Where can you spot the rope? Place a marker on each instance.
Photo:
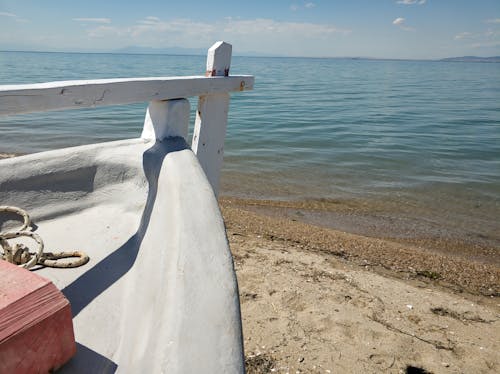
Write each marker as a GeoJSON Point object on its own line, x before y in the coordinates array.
{"type": "Point", "coordinates": [21, 256]}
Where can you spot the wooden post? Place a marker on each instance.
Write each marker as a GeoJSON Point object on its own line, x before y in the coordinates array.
{"type": "Point", "coordinates": [165, 119]}
{"type": "Point", "coordinates": [211, 117]}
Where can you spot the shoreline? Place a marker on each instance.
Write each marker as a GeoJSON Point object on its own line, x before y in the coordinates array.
{"type": "Point", "coordinates": [459, 264]}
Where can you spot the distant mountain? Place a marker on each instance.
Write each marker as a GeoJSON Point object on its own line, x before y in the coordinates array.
{"type": "Point", "coordinates": [203, 52]}
{"type": "Point", "coordinates": [161, 51]}
{"type": "Point", "coordinates": [472, 59]}
{"type": "Point", "coordinates": [181, 51]}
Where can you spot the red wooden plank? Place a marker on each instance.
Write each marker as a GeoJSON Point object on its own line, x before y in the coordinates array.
{"type": "Point", "coordinates": [36, 328]}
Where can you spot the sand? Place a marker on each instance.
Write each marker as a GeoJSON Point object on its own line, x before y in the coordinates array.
{"type": "Point", "coordinates": [318, 300]}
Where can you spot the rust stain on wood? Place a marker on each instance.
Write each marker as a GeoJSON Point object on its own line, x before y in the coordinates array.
{"type": "Point", "coordinates": [213, 73]}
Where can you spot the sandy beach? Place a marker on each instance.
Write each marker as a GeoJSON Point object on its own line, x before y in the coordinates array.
{"type": "Point", "coordinates": [320, 300]}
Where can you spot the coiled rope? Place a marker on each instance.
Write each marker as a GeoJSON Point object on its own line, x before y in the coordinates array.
{"type": "Point", "coordinates": [21, 256]}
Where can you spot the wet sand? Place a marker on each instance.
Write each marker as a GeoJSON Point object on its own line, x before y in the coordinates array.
{"type": "Point", "coordinates": [409, 247]}
{"type": "Point", "coordinates": [319, 300]}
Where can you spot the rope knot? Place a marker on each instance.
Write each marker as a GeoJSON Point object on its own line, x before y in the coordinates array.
{"type": "Point", "coordinates": [20, 254]}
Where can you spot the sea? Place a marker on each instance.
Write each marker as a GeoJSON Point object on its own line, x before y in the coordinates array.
{"type": "Point", "coordinates": [412, 141]}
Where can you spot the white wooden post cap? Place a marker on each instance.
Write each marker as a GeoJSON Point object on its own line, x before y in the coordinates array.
{"type": "Point", "coordinates": [219, 60]}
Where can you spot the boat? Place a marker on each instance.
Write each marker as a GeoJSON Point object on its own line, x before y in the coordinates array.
{"type": "Point", "coordinates": [159, 293]}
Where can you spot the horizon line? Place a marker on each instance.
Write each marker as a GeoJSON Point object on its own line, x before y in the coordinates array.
{"type": "Point", "coordinates": [249, 54]}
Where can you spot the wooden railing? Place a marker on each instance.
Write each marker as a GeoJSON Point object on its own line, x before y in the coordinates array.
{"type": "Point", "coordinates": [168, 110]}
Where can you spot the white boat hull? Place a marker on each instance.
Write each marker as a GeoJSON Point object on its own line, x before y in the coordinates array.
{"type": "Point", "coordinates": [159, 293]}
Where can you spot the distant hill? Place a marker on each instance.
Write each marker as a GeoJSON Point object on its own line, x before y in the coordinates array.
{"type": "Point", "coordinates": [202, 52]}
{"type": "Point", "coordinates": [161, 51]}
{"type": "Point", "coordinates": [472, 59]}
{"type": "Point", "coordinates": [181, 51]}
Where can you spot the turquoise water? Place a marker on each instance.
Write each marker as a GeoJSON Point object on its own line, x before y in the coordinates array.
{"type": "Point", "coordinates": [423, 134]}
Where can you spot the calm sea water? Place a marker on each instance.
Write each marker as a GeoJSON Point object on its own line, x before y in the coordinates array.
{"type": "Point", "coordinates": [425, 135]}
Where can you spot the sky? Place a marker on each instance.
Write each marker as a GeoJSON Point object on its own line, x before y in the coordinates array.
{"type": "Point", "coordinates": [414, 29]}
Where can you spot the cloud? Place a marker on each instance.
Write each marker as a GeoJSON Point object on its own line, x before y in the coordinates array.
{"type": "Point", "coordinates": [5, 14]}
{"type": "Point", "coordinates": [306, 5]}
{"type": "Point", "coordinates": [149, 21]}
{"type": "Point", "coordinates": [398, 21]}
{"type": "Point", "coordinates": [486, 39]}
{"type": "Point", "coordinates": [486, 44]}
{"type": "Point", "coordinates": [488, 34]}
{"type": "Point", "coordinates": [14, 17]}
{"type": "Point", "coordinates": [93, 20]}
{"type": "Point", "coordinates": [463, 35]}
{"type": "Point", "coordinates": [411, 2]}
{"type": "Point", "coordinates": [249, 27]}
{"type": "Point", "coordinates": [104, 31]}
{"type": "Point", "coordinates": [177, 28]}
{"type": "Point", "coordinates": [228, 25]}
{"type": "Point", "coordinates": [491, 33]}
{"type": "Point", "coordinates": [266, 35]}
{"type": "Point", "coordinates": [493, 20]}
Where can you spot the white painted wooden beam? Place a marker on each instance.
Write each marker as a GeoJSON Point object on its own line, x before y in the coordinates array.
{"type": "Point", "coordinates": [211, 117]}
{"type": "Point", "coordinates": [165, 119]}
{"type": "Point", "coordinates": [209, 135]}
{"type": "Point", "coordinates": [41, 97]}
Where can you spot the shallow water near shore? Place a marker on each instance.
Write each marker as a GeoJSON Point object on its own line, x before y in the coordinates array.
{"type": "Point", "coordinates": [413, 144]}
